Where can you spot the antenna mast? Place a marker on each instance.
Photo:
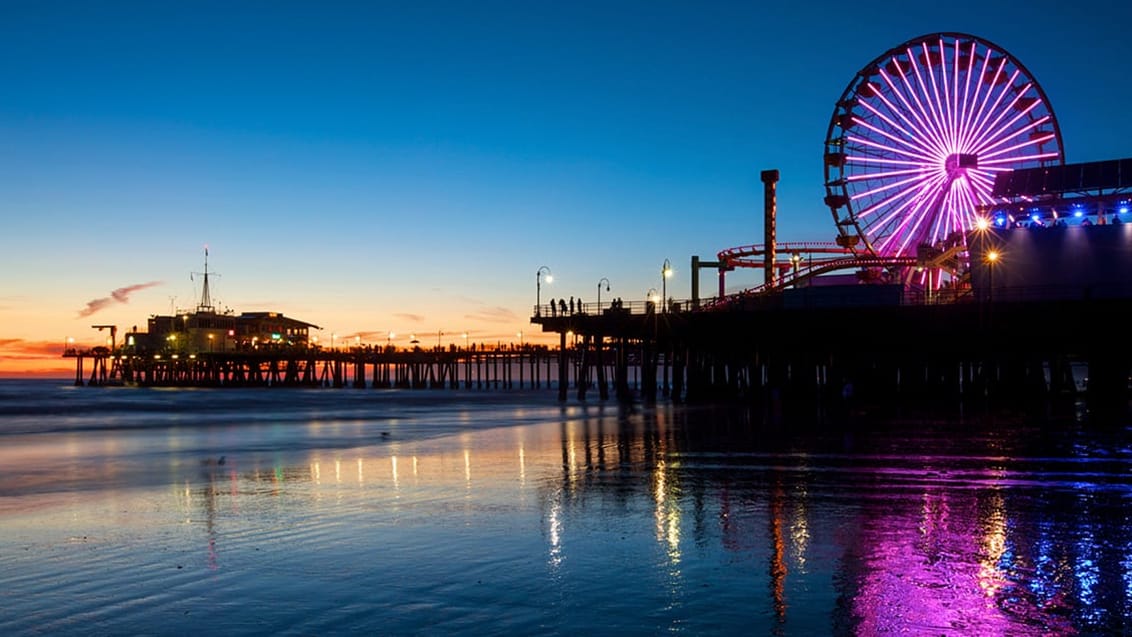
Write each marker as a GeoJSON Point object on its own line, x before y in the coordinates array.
{"type": "Point", "coordinates": [205, 297]}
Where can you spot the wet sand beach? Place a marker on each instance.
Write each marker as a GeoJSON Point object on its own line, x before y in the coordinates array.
{"type": "Point", "coordinates": [252, 512]}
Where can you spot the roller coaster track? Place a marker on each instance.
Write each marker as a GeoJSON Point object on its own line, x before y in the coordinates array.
{"type": "Point", "coordinates": [813, 268]}
{"type": "Point", "coordinates": [744, 256]}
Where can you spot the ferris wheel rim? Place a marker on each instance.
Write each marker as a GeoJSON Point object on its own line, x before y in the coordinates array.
{"type": "Point", "coordinates": [837, 179]}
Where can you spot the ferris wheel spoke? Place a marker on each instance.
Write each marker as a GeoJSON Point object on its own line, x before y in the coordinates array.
{"type": "Point", "coordinates": [922, 126]}
{"type": "Point", "coordinates": [891, 208]}
{"type": "Point", "coordinates": [894, 138]}
{"type": "Point", "coordinates": [1017, 160]}
{"type": "Point", "coordinates": [1007, 133]}
{"type": "Point", "coordinates": [935, 116]}
{"type": "Point", "coordinates": [886, 175]}
{"type": "Point", "coordinates": [965, 211]}
{"type": "Point", "coordinates": [980, 180]}
{"type": "Point", "coordinates": [955, 63]}
{"type": "Point", "coordinates": [948, 211]}
{"type": "Point", "coordinates": [881, 160]}
{"type": "Point", "coordinates": [995, 128]}
{"type": "Point", "coordinates": [971, 113]}
{"type": "Point", "coordinates": [982, 193]}
{"type": "Point", "coordinates": [984, 107]}
{"type": "Point", "coordinates": [982, 123]}
{"type": "Point", "coordinates": [871, 144]}
{"type": "Point", "coordinates": [913, 194]}
{"type": "Point", "coordinates": [935, 221]}
{"type": "Point", "coordinates": [908, 227]}
{"type": "Point", "coordinates": [962, 110]}
{"type": "Point", "coordinates": [888, 186]}
{"type": "Point", "coordinates": [909, 137]}
{"type": "Point", "coordinates": [944, 119]}
{"type": "Point", "coordinates": [923, 115]}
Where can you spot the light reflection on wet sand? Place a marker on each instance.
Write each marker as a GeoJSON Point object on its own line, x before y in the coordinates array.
{"type": "Point", "coordinates": [593, 520]}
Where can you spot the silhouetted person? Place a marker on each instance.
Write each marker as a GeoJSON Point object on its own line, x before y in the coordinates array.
{"type": "Point", "coordinates": [571, 305]}
{"type": "Point", "coordinates": [562, 306]}
{"type": "Point", "coordinates": [552, 308]}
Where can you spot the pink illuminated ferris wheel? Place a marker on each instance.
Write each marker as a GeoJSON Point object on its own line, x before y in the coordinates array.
{"type": "Point", "coordinates": [919, 134]}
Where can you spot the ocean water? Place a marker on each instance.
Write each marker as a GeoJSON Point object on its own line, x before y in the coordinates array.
{"type": "Point", "coordinates": [151, 511]}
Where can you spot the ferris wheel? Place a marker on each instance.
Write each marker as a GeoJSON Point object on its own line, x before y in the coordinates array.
{"type": "Point", "coordinates": [919, 134]}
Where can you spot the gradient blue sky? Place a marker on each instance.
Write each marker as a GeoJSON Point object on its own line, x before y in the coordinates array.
{"type": "Point", "coordinates": [407, 166]}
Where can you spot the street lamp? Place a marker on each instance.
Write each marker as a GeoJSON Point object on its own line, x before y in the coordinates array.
{"type": "Point", "coordinates": [389, 339]}
{"type": "Point", "coordinates": [210, 337]}
{"type": "Point", "coordinates": [992, 258]}
{"type": "Point", "coordinates": [538, 287]}
{"type": "Point", "coordinates": [439, 333]}
{"type": "Point", "coordinates": [520, 335]}
{"type": "Point", "coordinates": [796, 259]}
{"type": "Point", "coordinates": [465, 336]}
{"type": "Point", "coordinates": [665, 272]}
{"type": "Point", "coordinates": [332, 337]}
{"type": "Point", "coordinates": [651, 296]}
{"type": "Point", "coordinates": [599, 292]}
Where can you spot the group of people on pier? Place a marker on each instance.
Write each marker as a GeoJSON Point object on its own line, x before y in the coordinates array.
{"type": "Point", "coordinates": [562, 307]}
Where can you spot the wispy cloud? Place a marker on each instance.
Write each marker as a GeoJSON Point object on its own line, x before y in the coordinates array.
{"type": "Point", "coordinates": [20, 358]}
{"type": "Point", "coordinates": [493, 315]}
{"type": "Point", "coordinates": [120, 295]}
{"type": "Point", "coordinates": [19, 349]}
{"type": "Point", "coordinates": [412, 318]}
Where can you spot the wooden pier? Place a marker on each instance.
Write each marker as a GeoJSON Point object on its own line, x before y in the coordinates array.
{"type": "Point", "coordinates": [771, 351]}
{"type": "Point", "coordinates": [764, 352]}
{"type": "Point", "coordinates": [507, 367]}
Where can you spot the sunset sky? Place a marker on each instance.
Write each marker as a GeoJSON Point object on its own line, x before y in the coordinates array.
{"type": "Point", "coordinates": [378, 166]}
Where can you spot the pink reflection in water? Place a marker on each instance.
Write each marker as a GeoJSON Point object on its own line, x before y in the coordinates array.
{"type": "Point", "coordinates": [944, 569]}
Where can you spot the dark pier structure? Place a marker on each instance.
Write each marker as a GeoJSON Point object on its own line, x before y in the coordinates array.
{"type": "Point", "coordinates": [499, 368]}
{"type": "Point", "coordinates": [1038, 313]}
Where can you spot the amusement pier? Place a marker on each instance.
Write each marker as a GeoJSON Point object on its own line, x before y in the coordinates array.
{"type": "Point", "coordinates": [969, 262]}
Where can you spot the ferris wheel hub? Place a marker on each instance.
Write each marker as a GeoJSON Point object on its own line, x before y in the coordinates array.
{"type": "Point", "coordinates": [958, 163]}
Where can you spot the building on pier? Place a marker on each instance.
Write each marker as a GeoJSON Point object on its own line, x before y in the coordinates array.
{"type": "Point", "coordinates": [204, 329]}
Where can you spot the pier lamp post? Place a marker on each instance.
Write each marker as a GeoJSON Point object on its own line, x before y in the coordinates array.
{"type": "Point", "coordinates": [599, 292]}
{"type": "Point", "coordinates": [389, 339]}
{"type": "Point", "coordinates": [70, 343]}
{"type": "Point", "coordinates": [796, 260]}
{"type": "Point", "coordinates": [538, 287]}
{"type": "Point", "coordinates": [465, 337]}
{"type": "Point", "coordinates": [665, 272]}
{"type": "Point", "coordinates": [651, 296]}
{"type": "Point", "coordinates": [333, 336]}
{"type": "Point", "coordinates": [992, 259]}
{"type": "Point", "coordinates": [520, 335]}
{"type": "Point", "coordinates": [357, 341]}
{"type": "Point", "coordinates": [439, 333]}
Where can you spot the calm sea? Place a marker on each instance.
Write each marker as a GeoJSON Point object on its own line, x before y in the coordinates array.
{"type": "Point", "coordinates": [149, 511]}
